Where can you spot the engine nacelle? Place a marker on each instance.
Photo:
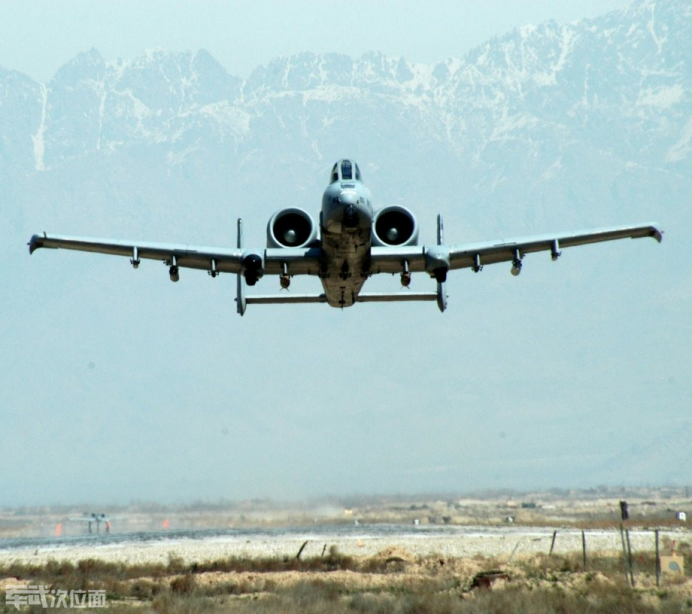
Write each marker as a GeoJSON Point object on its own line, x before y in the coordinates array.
{"type": "Point", "coordinates": [291, 227]}
{"type": "Point", "coordinates": [394, 225]}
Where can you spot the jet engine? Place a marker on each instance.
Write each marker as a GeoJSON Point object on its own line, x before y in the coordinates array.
{"type": "Point", "coordinates": [394, 225]}
{"type": "Point", "coordinates": [291, 227]}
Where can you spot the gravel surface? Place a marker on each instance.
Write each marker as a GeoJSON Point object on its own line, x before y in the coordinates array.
{"type": "Point", "coordinates": [456, 542]}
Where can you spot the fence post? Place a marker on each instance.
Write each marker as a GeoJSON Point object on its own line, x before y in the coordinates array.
{"type": "Point", "coordinates": [583, 548]}
{"type": "Point", "coordinates": [658, 562]}
{"type": "Point", "coordinates": [552, 543]}
{"type": "Point", "coordinates": [624, 554]}
{"type": "Point", "coordinates": [629, 556]}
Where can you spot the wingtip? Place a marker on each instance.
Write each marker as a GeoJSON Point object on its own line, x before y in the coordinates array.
{"type": "Point", "coordinates": [656, 232]}
{"type": "Point", "coordinates": [34, 243]}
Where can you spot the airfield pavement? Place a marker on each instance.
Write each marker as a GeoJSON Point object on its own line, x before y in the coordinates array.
{"type": "Point", "coordinates": [503, 544]}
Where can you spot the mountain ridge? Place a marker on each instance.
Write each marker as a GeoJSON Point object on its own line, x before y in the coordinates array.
{"type": "Point", "coordinates": [506, 84]}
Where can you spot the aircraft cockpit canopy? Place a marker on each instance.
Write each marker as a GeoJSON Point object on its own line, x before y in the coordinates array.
{"type": "Point", "coordinates": [345, 170]}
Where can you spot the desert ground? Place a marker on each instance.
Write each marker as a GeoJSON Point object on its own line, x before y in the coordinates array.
{"type": "Point", "coordinates": [435, 553]}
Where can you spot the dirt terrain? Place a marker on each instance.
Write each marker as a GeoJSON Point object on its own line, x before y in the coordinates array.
{"type": "Point", "coordinates": [530, 552]}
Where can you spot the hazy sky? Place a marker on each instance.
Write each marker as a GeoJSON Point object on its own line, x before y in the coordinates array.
{"type": "Point", "coordinates": [500, 391]}
{"type": "Point", "coordinates": [38, 36]}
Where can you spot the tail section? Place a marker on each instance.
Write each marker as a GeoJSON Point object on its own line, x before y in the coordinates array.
{"type": "Point", "coordinates": [441, 286]}
{"type": "Point", "coordinates": [241, 304]}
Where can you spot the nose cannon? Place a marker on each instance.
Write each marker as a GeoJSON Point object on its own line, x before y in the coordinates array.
{"type": "Point", "coordinates": [349, 199]}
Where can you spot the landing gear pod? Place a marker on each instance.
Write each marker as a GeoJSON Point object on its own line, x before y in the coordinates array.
{"type": "Point", "coordinates": [253, 267]}
{"type": "Point", "coordinates": [437, 262]}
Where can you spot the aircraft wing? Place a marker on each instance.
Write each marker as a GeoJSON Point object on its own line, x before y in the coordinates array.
{"type": "Point", "coordinates": [222, 260]}
{"type": "Point", "coordinates": [476, 255]}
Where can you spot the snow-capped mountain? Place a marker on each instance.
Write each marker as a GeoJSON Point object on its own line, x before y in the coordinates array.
{"type": "Point", "coordinates": [521, 123]}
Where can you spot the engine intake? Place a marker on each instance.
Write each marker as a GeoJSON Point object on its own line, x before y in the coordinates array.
{"type": "Point", "coordinates": [291, 227]}
{"type": "Point", "coordinates": [394, 225]}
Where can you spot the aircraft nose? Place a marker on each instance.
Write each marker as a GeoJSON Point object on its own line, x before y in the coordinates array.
{"type": "Point", "coordinates": [348, 197]}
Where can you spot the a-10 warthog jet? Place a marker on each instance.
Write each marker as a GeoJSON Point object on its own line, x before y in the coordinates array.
{"type": "Point", "coordinates": [95, 519]}
{"type": "Point", "coordinates": [350, 243]}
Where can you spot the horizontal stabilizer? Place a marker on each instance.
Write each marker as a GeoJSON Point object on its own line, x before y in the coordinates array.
{"type": "Point", "coordinates": [279, 299]}
{"type": "Point", "coordinates": [399, 296]}
{"type": "Point", "coordinates": [321, 298]}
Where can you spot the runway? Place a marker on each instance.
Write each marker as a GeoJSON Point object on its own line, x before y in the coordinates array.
{"type": "Point", "coordinates": [355, 540]}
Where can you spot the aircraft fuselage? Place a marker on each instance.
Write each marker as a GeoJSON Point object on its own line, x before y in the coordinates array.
{"type": "Point", "coordinates": [346, 227]}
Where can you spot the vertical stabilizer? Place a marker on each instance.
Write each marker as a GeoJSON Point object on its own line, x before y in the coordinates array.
{"type": "Point", "coordinates": [241, 304]}
{"type": "Point", "coordinates": [442, 296]}
{"type": "Point", "coordinates": [441, 286]}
